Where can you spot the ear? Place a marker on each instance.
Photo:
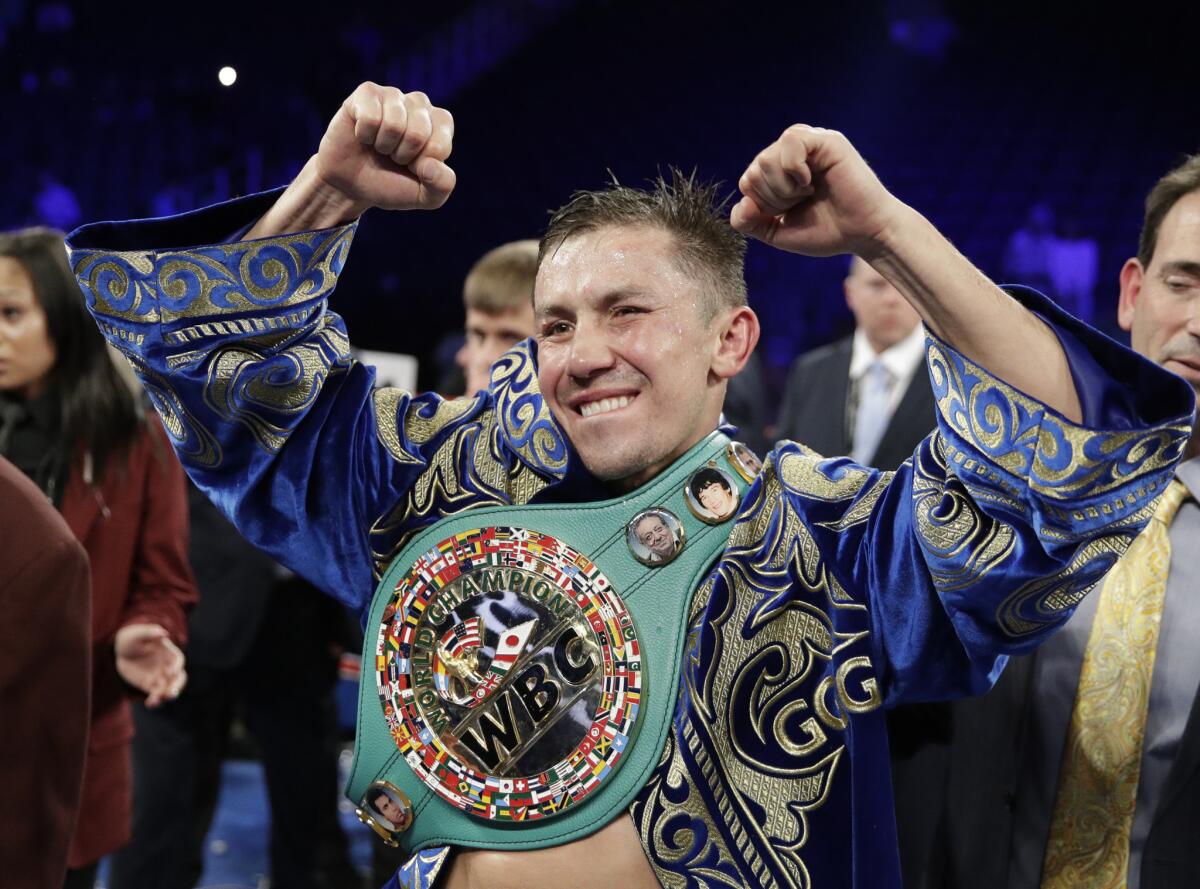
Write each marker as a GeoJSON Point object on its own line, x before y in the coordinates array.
{"type": "Point", "coordinates": [737, 335]}
{"type": "Point", "coordinates": [1132, 274]}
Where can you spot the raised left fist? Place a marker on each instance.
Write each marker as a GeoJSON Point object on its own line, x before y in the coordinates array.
{"type": "Point", "coordinates": [388, 149]}
{"type": "Point", "coordinates": [811, 192]}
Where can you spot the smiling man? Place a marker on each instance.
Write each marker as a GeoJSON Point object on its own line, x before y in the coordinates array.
{"type": "Point", "coordinates": [714, 493]}
{"type": "Point", "coordinates": [718, 719]}
{"type": "Point", "coordinates": [652, 533]}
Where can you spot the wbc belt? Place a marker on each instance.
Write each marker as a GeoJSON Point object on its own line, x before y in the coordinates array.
{"type": "Point", "coordinates": [521, 664]}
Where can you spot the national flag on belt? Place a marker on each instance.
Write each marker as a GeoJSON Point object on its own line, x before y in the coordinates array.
{"type": "Point", "coordinates": [462, 637]}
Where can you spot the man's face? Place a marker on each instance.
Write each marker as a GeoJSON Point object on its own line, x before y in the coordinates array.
{"type": "Point", "coordinates": [625, 351]}
{"type": "Point", "coordinates": [26, 353]}
{"type": "Point", "coordinates": [654, 534]}
{"type": "Point", "coordinates": [388, 808]}
{"type": "Point", "coordinates": [490, 335]}
{"type": "Point", "coordinates": [1160, 304]}
{"type": "Point", "coordinates": [717, 499]}
{"type": "Point", "coordinates": [880, 312]}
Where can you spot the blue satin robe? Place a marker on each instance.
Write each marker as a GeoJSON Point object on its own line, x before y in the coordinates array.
{"type": "Point", "coordinates": [843, 589]}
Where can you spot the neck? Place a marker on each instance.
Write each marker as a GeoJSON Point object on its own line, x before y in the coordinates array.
{"type": "Point", "coordinates": [619, 486]}
{"type": "Point", "coordinates": [880, 346]}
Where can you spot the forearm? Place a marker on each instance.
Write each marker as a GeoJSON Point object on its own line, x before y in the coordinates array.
{"type": "Point", "coordinates": [959, 304]}
{"type": "Point", "coordinates": [308, 204]}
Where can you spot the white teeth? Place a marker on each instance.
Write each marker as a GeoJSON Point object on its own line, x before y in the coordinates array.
{"type": "Point", "coordinates": [604, 405]}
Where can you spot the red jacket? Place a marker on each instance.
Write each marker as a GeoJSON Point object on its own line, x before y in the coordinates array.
{"type": "Point", "coordinates": [45, 622]}
{"type": "Point", "coordinates": [134, 528]}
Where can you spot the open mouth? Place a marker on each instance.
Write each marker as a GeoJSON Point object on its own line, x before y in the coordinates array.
{"type": "Point", "coordinates": [604, 405]}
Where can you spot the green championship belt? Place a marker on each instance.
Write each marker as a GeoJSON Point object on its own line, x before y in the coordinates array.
{"type": "Point", "coordinates": [527, 658]}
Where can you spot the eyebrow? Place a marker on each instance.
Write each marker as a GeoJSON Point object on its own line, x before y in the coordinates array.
{"type": "Point", "coordinates": [606, 301]}
{"type": "Point", "coordinates": [1186, 266]}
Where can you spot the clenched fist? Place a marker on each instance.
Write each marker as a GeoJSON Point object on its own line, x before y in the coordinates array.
{"type": "Point", "coordinates": [388, 149]}
{"type": "Point", "coordinates": [811, 192]}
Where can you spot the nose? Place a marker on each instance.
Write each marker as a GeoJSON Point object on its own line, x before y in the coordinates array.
{"type": "Point", "coordinates": [590, 352]}
{"type": "Point", "coordinates": [1193, 320]}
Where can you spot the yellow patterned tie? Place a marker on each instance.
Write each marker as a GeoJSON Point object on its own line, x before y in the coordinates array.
{"type": "Point", "coordinates": [1088, 846]}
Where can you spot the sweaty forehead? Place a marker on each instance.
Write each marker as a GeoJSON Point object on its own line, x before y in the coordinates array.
{"type": "Point", "coordinates": [594, 264]}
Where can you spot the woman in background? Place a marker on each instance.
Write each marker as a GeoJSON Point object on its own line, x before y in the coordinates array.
{"type": "Point", "coordinates": [72, 424]}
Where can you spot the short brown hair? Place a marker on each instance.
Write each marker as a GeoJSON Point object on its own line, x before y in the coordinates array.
{"type": "Point", "coordinates": [1178, 183]}
{"type": "Point", "coordinates": [502, 279]}
{"type": "Point", "coordinates": [689, 210]}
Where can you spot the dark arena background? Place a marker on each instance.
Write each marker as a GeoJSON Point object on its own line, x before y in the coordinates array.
{"type": "Point", "coordinates": [973, 112]}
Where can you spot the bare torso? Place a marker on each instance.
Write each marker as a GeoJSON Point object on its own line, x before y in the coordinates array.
{"type": "Point", "coordinates": [610, 857]}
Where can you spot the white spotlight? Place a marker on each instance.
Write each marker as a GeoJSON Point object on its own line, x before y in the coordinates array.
{"type": "Point", "coordinates": [227, 76]}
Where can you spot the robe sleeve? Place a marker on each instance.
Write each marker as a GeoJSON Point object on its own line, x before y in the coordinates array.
{"type": "Point", "coordinates": [983, 543]}
{"type": "Point", "coordinates": [269, 412]}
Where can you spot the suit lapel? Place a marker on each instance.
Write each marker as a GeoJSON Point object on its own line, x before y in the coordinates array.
{"type": "Point", "coordinates": [913, 419]}
{"type": "Point", "coordinates": [838, 386]}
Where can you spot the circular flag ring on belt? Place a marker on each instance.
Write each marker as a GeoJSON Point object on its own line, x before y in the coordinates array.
{"type": "Point", "coordinates": [509, 672]}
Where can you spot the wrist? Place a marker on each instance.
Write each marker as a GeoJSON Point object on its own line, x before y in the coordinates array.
{"type": "Point", "coordinates": [309, 204]}
{"type": "Point", "coordinates": [897, 225]}
{"type": "Point", "coordinates": [320, 204]}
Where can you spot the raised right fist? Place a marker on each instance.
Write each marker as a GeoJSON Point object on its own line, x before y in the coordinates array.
{"type": "Point", "coordinates": [387, 149]}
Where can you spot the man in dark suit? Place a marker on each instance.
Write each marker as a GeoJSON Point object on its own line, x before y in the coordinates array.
{"type": "Point", "coordinates": [280, 678]}
{"type": "Point", "coordinates": [866, 395]}
{"type": "Point", "coordinates": [1081, 768]}
{"type": "Point", "coordinates": [45, 678]}
{"type": "Point", "coordinates": [869, 396]}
